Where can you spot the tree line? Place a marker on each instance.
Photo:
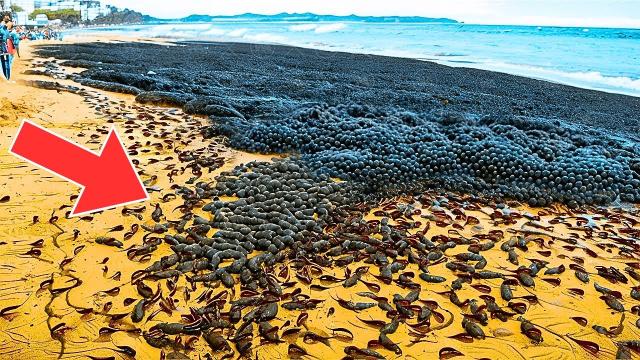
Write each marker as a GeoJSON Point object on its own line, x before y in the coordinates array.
{"type": "Point", "coordinates": [73, 17]}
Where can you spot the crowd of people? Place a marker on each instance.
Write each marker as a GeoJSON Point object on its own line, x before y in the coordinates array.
{"type": "Point", "coordinates": [10, 37]}
{"type": "Point", "coordinates": [44, 33]}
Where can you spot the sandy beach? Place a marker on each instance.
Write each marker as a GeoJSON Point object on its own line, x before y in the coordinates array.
{"type": "Point", "coordinates": [492, 279]}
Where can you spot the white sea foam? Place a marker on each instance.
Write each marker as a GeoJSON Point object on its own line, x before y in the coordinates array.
{"type": "Point", "coordinates": [622, 83]}
{"type": "Point", "coordinates": [171, 31]}
{"type": "Point", "coordinates": [590, 79]}
{"type": "Point", "coordinates": [303, 27]}
{"type": "Point", "coordinates": [237, 32]}
{"type": "Point", "coordinates": [318, 28]}
{"type": "Point", "coordinates": [266, 38]}
{"type": "Point", "coordinates": [212, 31]}
{"type": "Point", "coordinates": [328, 28]}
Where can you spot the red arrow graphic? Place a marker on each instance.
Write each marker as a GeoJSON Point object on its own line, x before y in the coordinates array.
{"type": "Point", "coordinates": [108, 178]}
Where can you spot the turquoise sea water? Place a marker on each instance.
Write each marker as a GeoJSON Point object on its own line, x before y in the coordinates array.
{"type": "Point", "coordinates": [594, 58]}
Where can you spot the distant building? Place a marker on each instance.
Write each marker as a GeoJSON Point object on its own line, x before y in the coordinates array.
{"type": "Point", "coordinates": [89, 9]}
{"type": "Point", "coordinates": [27, 7]}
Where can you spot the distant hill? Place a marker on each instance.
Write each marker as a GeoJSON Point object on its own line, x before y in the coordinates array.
{"type": "Point", "coordinates": [303, 17]}
{"type": "Point", "coordinates": [119, 17]}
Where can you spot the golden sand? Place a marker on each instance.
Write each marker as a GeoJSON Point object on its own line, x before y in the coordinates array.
{"type": "Point", "coordinates": [62, 295]}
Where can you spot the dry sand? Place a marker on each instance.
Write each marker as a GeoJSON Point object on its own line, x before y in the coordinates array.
{"type": "Point", "coordinates": [40, 257]}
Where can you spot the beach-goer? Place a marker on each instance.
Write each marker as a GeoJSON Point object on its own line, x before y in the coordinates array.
{"type": "Point", "coordinates": [4, 51]}
{"type": "Point", "coordinates": [13, 43]}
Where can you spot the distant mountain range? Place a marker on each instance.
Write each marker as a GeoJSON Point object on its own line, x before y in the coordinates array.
{"type": "Point", "coordinates": [302, 17]}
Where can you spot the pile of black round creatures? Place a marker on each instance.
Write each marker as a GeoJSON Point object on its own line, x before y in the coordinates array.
{"type": "Point", "coordinates": [538, 161]}
{"type": "Point", "coordinates": [281, 211]}
{"type": "Point", "coordinates": [280, 206]}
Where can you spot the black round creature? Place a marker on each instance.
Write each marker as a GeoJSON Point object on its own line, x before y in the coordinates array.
{"type": "Point", "coordinates": [537, 161]}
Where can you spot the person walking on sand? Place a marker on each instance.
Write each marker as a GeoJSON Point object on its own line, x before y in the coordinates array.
{"type": "Point", "coordinates": [13, 43]}
{"type": "Point", "coordinates": [4, 51]}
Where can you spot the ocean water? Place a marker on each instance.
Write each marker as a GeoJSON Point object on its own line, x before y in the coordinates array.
{"type": "Point", "coordinates": [593, 58]}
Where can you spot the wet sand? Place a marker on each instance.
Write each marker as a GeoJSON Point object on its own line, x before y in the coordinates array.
{"type": "Point", "coordinates": [64, 296]}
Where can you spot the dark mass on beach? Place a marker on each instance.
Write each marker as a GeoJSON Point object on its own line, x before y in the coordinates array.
{"type": "Point", "coordinates": [372, 150]}
{"type": "Point", "coordinates": [390, 124]}
{"type": "Point", "coordinates": [386, 199]}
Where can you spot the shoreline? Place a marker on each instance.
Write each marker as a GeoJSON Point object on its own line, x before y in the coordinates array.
{"type": "Point", "coordinates": [454, 129]}
{"type": "Point", "coordinates": [589, 106]}
{"type": "Point", "coordinates": [579, 79]}
{"type": "Point", "coordinates": [93, 316]}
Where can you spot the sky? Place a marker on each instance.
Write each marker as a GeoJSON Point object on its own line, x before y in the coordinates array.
{"type": "Point", "coordinates": [588, 13]}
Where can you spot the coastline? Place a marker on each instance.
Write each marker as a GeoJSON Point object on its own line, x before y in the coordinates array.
{"type": "Point", "coordinates": [159, 136]}
{"type": "Point", "coordinates": [450, 89]}
{"type": "Point", "coordinates": [455, 129]}
{"type": "Point", "coordinates": [317, 36]}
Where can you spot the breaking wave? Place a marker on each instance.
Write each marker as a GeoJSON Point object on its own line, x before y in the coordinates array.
{"type": "Point", "coordinates": [583, 79]}
{"type": "Point", "coordinates": [318, 28]}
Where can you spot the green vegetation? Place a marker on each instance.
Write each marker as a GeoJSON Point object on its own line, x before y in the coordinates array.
{"type": "Point", "coordinates": [68, 16]}
{"type": "Point", "coordinates": [125, 16]}
{"type": "Point", "coordinates": [16, 8]}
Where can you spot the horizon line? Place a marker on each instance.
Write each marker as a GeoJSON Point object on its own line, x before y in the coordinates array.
{"type": "Point", "coordinates": [459, 22]}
